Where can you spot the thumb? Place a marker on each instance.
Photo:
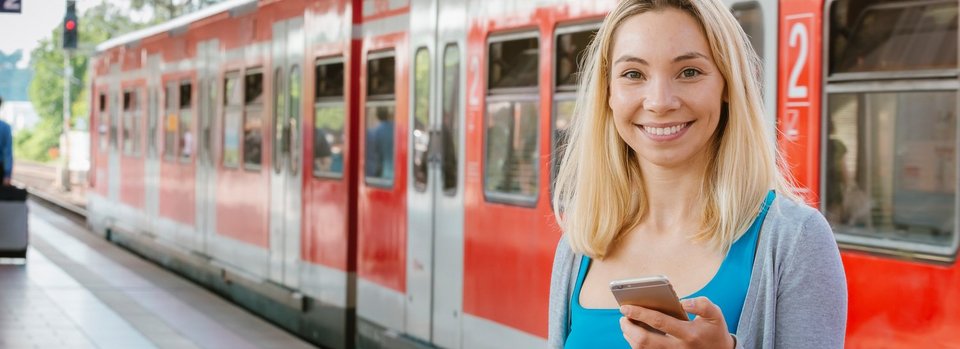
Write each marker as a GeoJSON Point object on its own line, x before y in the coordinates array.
{"type": "Point", "coordinates": [702, 307]}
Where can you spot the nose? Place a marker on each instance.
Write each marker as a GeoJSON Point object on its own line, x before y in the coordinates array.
{"type": "Point", "coordinates": [660, 97]}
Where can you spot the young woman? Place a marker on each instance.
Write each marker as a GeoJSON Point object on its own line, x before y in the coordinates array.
{"type": "Point", "coordinates": [670, 170]}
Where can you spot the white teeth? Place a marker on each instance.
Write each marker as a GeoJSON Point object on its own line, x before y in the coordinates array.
{"type": "Point", "coordinates": [665, 131]}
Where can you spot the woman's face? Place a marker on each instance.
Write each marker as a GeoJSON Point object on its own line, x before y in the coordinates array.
{"type": "Point", "coordinates": [665, 90]}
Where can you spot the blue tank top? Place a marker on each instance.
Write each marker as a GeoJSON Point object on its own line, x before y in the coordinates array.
{"type": "Point", "coordinates": [600, 328]}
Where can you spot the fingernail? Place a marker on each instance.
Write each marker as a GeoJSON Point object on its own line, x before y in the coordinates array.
{"type": "Point", "coordinates": [623, 310]}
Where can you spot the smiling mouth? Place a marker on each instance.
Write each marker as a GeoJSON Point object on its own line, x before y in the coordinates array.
{"type": "Point", "coordinates": [665, 131]}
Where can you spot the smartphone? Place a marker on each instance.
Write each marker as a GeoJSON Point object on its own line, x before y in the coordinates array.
{"type": "Point", "coordinates": [651, 292]}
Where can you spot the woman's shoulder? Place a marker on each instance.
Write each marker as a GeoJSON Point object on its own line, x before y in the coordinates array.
{"type": "Point", "coordinates": [564, 251]}
{"type": "Point", "coordinates": [790, 223]}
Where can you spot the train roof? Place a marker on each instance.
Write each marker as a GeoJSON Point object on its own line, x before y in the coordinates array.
{"type": "Point", "coordinates": [182, 21]}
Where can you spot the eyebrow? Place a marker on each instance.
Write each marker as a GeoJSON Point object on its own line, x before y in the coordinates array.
{"type": "Point", "coordinates": [684, 57]}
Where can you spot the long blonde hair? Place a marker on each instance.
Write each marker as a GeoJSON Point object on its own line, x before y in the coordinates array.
{"type": "Point", "coordinates": [599, 194]}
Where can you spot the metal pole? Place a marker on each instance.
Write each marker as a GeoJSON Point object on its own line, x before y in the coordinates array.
{"type": "Point", "coordinates": [64, 170]}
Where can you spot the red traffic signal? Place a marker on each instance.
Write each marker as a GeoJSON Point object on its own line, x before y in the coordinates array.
{"type": "Point", "coordinates": [70, 27]}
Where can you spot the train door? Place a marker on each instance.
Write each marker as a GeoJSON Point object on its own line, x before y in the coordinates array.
{"type": "Point", "coordinates": [759, 21]}
{"type": "Point", "coordinates": [434, 199]}
{"type": "Point", "coordinates": [206, 169]}
{"type": "Point", "coordinates": [285, 172]}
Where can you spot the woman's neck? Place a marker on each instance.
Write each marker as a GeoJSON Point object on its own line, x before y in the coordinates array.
{"type": "Point", "coordinates": [673, 196]}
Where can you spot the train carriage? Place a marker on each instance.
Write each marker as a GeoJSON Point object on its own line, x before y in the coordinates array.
{"type": "Point", "coordinates": [378, 173]}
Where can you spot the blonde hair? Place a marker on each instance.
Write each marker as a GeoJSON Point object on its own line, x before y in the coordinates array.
{"type": "Point", "coordinates": [599, 194]}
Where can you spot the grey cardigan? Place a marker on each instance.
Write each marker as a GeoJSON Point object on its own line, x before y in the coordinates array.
{"type": "Point", "coordinates": [798, 291]}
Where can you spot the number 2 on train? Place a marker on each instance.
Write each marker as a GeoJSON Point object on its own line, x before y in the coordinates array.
{"type": "Point", "coordinates": [798, 36]}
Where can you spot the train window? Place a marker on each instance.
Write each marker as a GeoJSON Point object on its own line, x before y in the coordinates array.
{"type": "Point", "coordinates": [512, 161]}
{"type": "Point", "coordinates": [104, 121]}
{"type": "Point", "coordinates": [513, 63]}
{"type": "Point", "coordinates": [232, 90]}
{"type": "Point", "coordinates": [329, 81]}
{"type": "Point", "coordinates": [750, 17]}
{"type": "Point", "coordinates": [131, 123]}
{"type": "Point", "coordinates": [450, 119]}
{"type": "Point", "coordinates": [152, 122]}
{"type": "Point", "coordinates": [893, 36]}
{"type": "Point", "coordinates": [381, 77]}
{"type": "Point", "coordinates": [328, 120]}
{"type": "Point", "coordinates": [421, 119]}
{"type": "Point", "coordinates": [253, 120]}
{"type": "Point", "coordinates": [571, 46]}
{"type": "Point", "coordinates": [171, 122]}
{"type": "Point", "coordinates": [114, 121]}
{"type": "Point", "coordinates": [294, 147]}
{"type": "Point", "coordinates": [279, 119]}
{"type": "Point", "coordinates": [570, 50]}
{"type": "Point", "coordinates": [890, 162]}
{"type": "Point", "coordinates": [511, 131]}
{"type": "Point", "coordinates": [126, 133]}
{"type": "Point", "coordinates": [380, 113]}
{"type": "Point", "coordinates": [232, 114]}
{"type": "Point", "coordinates": [184, 134]}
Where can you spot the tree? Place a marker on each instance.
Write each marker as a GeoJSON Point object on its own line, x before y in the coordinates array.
{"type": "Point", "coordinates": [46, 89]}
{"type": "Point", "coordinates": [97, 24]}
{"type": "Point", "coordinates": [165, 10]}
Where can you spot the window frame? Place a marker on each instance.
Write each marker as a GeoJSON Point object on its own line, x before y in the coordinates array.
{"type": "Point", "coordinates": [459, 110]}
{"type": "Point", "coordinates": [129, 105]}
{"type": "Point", "coordinates": [417, 186]}
{"type": "Point", "coordinates": [324, 102]}
{"type": "Point", "coordinates": [168, 86]}
{"type": "Point", "coordinates": [224, 101]}
{"type": "Point", "coordinates": [189, 84]}
{"type": "Point", "coordinates": [759, 7]}
{"type": "Point", "coordinates": [880, 82]}
{"type": "Point", "coordinates": [827, 68]}
{"type": "Point", "coordinates": [562, 93]}
{"type": "Point", "coordinates": [294, 108]}
{"type": "Point", "coordinates": [258, 106]}
{"type": "Point", "coordinates": [378, 101]}
{"type": "Point", "coordinates": [511, 94]}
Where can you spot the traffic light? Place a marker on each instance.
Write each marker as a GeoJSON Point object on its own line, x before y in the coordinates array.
{"type": "Point", "coordinates": [70, 27]}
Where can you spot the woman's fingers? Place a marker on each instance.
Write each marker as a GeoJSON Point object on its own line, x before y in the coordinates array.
{"type": "Point", "coordinates": [702, 307]}
{"type": "Point", "coordinates": [638, 337]}
{"type": "Point", "coordinates": [660, 321]}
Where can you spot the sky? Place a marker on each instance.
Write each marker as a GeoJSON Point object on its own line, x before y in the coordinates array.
{"type": "Point", "coordinates": [36, 21]}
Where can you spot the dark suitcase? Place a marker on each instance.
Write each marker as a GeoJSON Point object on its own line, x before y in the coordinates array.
{"type": "Point", "coordinates": [13, 222]}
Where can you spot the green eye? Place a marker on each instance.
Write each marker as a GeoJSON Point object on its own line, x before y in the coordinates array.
{"type": "Point", "coordinates": [632, 75]}
{"type": "Point", "coordinates": [690, 73]}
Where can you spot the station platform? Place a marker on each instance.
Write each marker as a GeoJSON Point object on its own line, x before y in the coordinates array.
{"type": "Point", "coordinates": [76, 290]}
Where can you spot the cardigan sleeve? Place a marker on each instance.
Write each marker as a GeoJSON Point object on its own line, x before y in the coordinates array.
{"type": "Point", "coordinates": [559, 295]}
{"type": "Point", "coordinates": [812, 294]}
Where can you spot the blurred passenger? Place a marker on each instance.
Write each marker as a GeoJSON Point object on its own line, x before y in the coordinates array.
{"type": "Point", "coordinates": [670, 170]}
{"type": "Point", "coordinates": [380, 146]}
{"type": "Point", "coordinates": [321, 151]}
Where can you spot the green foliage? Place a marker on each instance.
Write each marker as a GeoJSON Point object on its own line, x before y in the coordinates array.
{"type": "Point", "coordinates": [97, 24]}
{"type": "Point", "coordinates": [36, 144]}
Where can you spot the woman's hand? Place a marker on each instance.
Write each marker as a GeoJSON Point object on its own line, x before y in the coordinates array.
{"type": "Point", "coordinates": [707, 330]}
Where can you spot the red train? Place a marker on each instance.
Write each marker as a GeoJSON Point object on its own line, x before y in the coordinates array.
{"type": "Point", "coordinates": [378, 173]}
